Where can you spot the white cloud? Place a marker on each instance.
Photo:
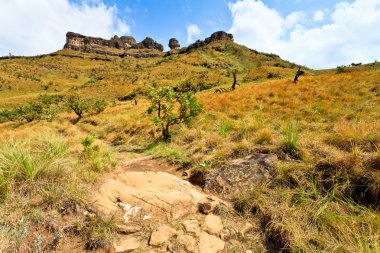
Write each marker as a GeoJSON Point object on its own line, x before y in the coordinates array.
{"type": "Point", "coordinates": [351, 36]}
{"type": "Point", "coordinates": [318, 16]}
{"type": "Point", "coordinates": [192, 31]}
{"type": "Point", "coordinates": [37, 27]}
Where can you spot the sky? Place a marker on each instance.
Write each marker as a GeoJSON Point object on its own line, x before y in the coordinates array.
{"type": "Point", "coordinates": [316, 33]}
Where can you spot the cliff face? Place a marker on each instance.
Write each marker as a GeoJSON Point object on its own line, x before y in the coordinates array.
{"type": "Point", "coordinates": [145, 48]}
{"type": "Point", "coordinates": [88, 44]}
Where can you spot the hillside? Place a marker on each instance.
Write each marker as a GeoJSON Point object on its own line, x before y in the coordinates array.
{"type": "Point", "coordinates": [112, 77]}
{"type": "Point", "coordinates": [292, 167]}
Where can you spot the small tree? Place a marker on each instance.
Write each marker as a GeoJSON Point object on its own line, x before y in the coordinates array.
{"type": "Point", "coordinates": [30, 111]}
{"type": "Point", "coordinates": [78, 105]}
{"type": "Point", "coordinates": [172, 108]}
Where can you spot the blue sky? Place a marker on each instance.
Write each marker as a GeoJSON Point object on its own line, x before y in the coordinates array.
{"type": "Point", "coordinates": [318, 34]}
{"type": "Point", "coordinates": [164, 19]}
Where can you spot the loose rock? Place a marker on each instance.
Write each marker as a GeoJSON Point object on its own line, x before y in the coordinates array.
{"type": "Point", "coordinates": [213, 224]}
{"type": "Point", "coordinates": [127, 245]}
{"type": "Point", "coordinates": [124, 229]}
{"type": "Point", "coordinates": [161, 235]}
{"type": "Point", "coordinates": [191, 226]}
{"type": "Point", "coordinates": [210, 243]}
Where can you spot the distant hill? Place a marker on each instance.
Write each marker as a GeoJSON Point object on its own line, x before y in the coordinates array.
{"type": "Point", "coordinates": [111, 69]}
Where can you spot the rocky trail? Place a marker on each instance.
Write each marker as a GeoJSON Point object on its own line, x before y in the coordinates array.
{"type": "Point", "coordinates": [158, 211]}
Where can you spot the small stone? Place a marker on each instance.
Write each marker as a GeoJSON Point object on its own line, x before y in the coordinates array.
{"type": "Point", "coordinates": [213, 224]}
{"type": "Point", "coordinates": [249, 251]}
{"type": "Point", "coordinates": [191, 226]}
{"type": "Point", "coordinates": [161, 235]}
{"type": "Point", "coordinates": [247, 227]}
{"type": "Point", "coordinates": [123, 229]}
{"type": "Point", "coordinates": [210, 243]}
{"type": "Point", "coordinates": [189, 242]}
{"type": "Point", "coordinates": [127, 245]}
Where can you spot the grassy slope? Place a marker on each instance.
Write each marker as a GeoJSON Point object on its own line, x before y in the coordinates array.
{"type": "Point", "coordinates": [311, 204]}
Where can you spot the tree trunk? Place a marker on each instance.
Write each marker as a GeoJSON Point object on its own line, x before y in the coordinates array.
{"type": "Point", "coordinates": [234, 84]}
{"type": "Point", "coordinates": [165, 132]}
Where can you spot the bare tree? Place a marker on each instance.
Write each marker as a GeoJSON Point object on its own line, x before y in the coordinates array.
{"type": "Point", "coordinates": [298, 74]}
{"type": "Point", "coordinates": [235, 81]}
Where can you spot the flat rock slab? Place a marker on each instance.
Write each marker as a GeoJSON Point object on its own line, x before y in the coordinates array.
{"type": "Point", "coordinates": [127, 245]}
{"type": "Point", "coordinates": [156, 195]}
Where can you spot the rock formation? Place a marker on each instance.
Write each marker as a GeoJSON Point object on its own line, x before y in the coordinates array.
{"type": "Point", "coordinates": [241, 175]}
{"type": "Point", "coordinates": [216, 36]}
{"type": "Point", "coordinates": [219, 36]}
{"type": "Point", "coordinates": [79, 42]}
{"type": "Point", "coordinates": [174, 44]}
{"type": "Point", "coordinates": [149, 43]}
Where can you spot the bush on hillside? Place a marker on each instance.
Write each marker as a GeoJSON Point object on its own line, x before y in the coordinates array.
{"type": "Point", "coordinates": [30, 111]}
{"type": "Point", "coordinates": [80, 105]}
{"type": "Point", "coordinates": [172, 108]}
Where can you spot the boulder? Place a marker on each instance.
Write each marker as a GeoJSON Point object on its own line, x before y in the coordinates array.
{"type": "Point", "coordinates": [210, 243]}
{"type": "Point", "coordinates": [191, 226]}
{"type": "Point", "coordinates": [241, 175]}
{"type": "Point", "coordinates": [174, 44]}
{"type": "Point", "coordinates": [213, 224]}
{"type": "Point", "coordinates": [161, 235]}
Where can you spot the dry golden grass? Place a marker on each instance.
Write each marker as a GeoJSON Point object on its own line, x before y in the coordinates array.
{"type": "Point", "coordinates": [324, 129]}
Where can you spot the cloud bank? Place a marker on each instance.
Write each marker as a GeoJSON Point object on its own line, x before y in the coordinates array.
{"type": "Point", "coordinates": [38, 27]}
{"type": "Point", "coordinates": [192, 31]}
{"type": "Point", "coordinates": [351, 34]}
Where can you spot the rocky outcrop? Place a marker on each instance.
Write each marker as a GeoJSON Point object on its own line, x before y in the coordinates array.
{"type": "Point", "coordinates": [149, 43]}
{"type": "Point", "coordinates": [174, 44]}
{"type": "Point", "coordinates": [219, 36]}
{"type": "Point", "coordinates": [241, 175]}
{"type": "Point", "coordinates": [216, 36]}
{"type": "Point", "coordinates": [79, 42]}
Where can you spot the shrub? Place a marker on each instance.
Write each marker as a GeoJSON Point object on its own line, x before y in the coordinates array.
{"type": "Point", "coordinates": [31, 111]}
{"type": "Point", "coordinates": [172, 108]}
{"type": "Point", "coordinates": [78, 105]}
{"type": "Point", "coordinates": [99, 106]}
{"type": "Point", "coordinates": [50, 99]}
{"type": "Point", "coordinates": [8, 115]}
{"type": "Point", "coordinates": [341, 69]}
{"type": "Point", "coordinates": [96, 159]}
